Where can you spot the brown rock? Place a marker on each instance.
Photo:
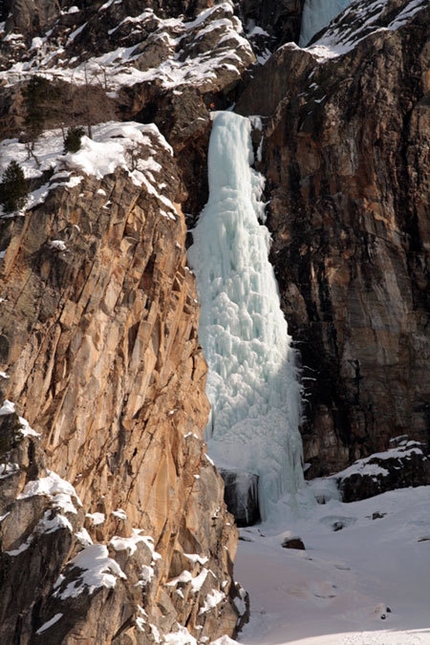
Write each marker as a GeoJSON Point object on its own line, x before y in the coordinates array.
{"type": "Point", "coordinates": [346, 158]}
{"type": "Point", "coordinates": [104, 362]}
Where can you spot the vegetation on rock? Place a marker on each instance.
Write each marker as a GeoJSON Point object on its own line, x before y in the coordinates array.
{"type": "Point", "coordinates": [72, 142]}
{"type": "Point", "coordinates": [13, 188]}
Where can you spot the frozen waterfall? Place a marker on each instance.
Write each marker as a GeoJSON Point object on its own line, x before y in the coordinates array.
{"type": "Point", "coordinates": [252, 382]}
{"type": "Point", "coordinates": [317, 14]}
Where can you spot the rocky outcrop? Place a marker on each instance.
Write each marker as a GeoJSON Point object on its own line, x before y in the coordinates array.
{"type": "Point", "coordinates": [35, 17]}
{"type": "Point", "coordinates": [280, 19]}
{"type": "Point", "coordinates": [399, 467]}
{"type": "Point", "coordinates": [345, 153]}
{"type": "Point", "coordinates": [99, 353]}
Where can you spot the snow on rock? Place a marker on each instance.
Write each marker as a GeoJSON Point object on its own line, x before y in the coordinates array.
{"type": "Point", "coordinates": [61, 493]}
{"type": "Point", "coordinates": [146, 575]}
{"type": "Point", "coordinates": [241, 601]}
{"type": "Point", "coordinates": [224, 640]}
{"type": "Point", "coordinates": [49, 523]}
{"type": "Point", "coordinates": [194, 557]}
{"type": "Point", "coordinates": [49, 623]}
{"type": "Point", "coordinates": [83, 537]}
{"type": "Point", "coordinates": [120, 514]}
{"type": "Point", "coordinates": [403, 465]}
{"type": "Point", "coordinates": [96, 569]}
{"type": "Point", "coordinates": [128, 544]}
{"type": "Point", "coordinates": [186, 576]}
{"type": "Point", "coordinates": [400, 466]}
{"type": "Point", "coordinates": [359, 20]}
{"type": "Point", "coordinates": [180, 637]}
{"type": "Point", "coordinates": [96, 518]}
{"type": "Point", "coordinates": [57, 245]}
{"type": "Point", "coordinates": [172, 52]}
{"type": "Point", "coordinates": [7, 408]}
{"type": "Point", "coordinates": [129, 145]}
{"type": "Point", "coordinates": [26, 430]}
{"type": "Point", "coordinates": [7, 469]}
{"type": "Point", "coordinates": [212, 599]}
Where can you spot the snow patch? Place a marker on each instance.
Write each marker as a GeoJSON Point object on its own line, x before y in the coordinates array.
{"type": "Point", "coordinates": [96, 518]}
{"type": "Point", "coordinates": [49, 623]}
{"type": "Point", "coordinates": [60, 491]}
{"type": "Point", "coordinates": [7, 408]}
{"type": "Point", "coordinates": [212, 600]}
{"type": "Point", "coordinates": [8, 469]}
{"type": "Point", "coordinates": [128, 544]}
{"type": "Point", "coordinates": [97, 570]}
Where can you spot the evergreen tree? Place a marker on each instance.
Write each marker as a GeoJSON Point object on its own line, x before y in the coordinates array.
{"type": "Point", "coordinates": [72, 142]}
{"type": "Point", "coordinates": [37, 97]}
{"type": "Point", "coordinates": [13, 188]}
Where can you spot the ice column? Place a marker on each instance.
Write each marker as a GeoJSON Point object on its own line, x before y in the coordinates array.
{"type": "Point", "coordinates": [317, 14]}
{"type": "Point", "coordinates": [252, 382]}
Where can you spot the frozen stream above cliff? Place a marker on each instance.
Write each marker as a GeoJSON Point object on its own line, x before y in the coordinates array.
{"type": "Point", "coordinates": [252, 383]}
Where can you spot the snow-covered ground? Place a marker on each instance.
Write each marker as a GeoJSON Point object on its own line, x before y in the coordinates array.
{"type": "Point", "coordinates": [129, 145]}
{"type": "Point", "coordinates": [366, 584]}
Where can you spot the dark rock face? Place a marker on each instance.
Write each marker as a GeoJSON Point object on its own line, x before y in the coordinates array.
{"type": "Point", "coordinates": [241, 496]}
{"type": "Point", "coordinates": [280, 18]}
{"type": "Point", "coordinates": [345, 154]}
{"type": "Point", "coordinates": [30, 16]}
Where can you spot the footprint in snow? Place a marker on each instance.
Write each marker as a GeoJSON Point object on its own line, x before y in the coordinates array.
{"type": "Point", "coordinates": [324, 590]}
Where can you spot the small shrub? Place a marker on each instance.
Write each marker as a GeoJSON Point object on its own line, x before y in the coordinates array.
{"type": "Point", "coordinates": [72, 142]}
{"type": "Point", "coordinates": [13, 188]}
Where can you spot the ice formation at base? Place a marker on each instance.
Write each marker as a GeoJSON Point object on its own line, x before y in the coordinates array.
{"type": "Point", "coordinates": [317, 14]}
{"type": "Point", "coordinates": [252, 382]}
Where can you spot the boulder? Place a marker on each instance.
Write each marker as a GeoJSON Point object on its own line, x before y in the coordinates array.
{"type": "Point", "coordinates": [400, 467]}
{"type": "Point", "coordinates": [293, 543]}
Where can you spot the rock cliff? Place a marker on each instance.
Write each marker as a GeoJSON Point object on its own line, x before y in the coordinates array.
{"type": "Point", "coordinates": [99, 343]}
{"type": "Point", "coordinates": [346, 156]}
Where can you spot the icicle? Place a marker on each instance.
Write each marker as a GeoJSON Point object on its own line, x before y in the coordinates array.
{"type": "Point", "coordinates": [252, 382]}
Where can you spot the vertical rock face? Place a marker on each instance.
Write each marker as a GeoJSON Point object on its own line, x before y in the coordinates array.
{"type": "Point", "coordinates": [99, 341]}
{"type": "Point", "coordinates": [346, 155]}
